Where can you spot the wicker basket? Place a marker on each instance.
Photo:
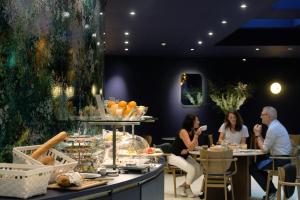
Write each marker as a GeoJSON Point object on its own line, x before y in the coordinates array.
{"type": "Point", "coordinates": [24, 181]}
{"type": "Point", "coordinates": [62, 164]}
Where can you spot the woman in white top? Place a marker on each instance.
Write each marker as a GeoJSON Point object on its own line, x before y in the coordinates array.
{"type": "Point", "coordinates": [233, 130]}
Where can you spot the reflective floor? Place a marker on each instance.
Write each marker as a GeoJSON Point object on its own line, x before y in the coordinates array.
{"type": "Point", "coordinates": [256, 192]}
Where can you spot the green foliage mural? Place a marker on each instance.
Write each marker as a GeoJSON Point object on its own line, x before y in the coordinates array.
{"type": "Point", "coordinates": [51, 54]}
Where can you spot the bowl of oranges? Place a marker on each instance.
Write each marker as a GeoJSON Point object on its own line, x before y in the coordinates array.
{"type": "Point", "coordinates": [123, 110]}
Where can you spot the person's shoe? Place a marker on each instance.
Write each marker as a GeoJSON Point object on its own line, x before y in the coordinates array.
{"type": "Point", "coordinates": [189, 193]}
{"type": "Point", "coordinates": [201, 195]}
{"type": "Point", "coordinates": [181, 191]}
{"type": "Point", "coordinates": [271, 196]}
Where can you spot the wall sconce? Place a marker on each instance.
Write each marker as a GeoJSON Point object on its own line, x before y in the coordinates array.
{"type": "Point", "coordinates": [56, 91]}
{"type": "Point", "coordinates": [94, 90]}
{"type": "Point", "coordinates": [69, 91]}
{"type": "Point", "coordinates": [275, 88]}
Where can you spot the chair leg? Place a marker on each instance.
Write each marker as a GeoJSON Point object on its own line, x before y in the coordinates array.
{"type": "Point", "coordinates": [268, 185]}
{"type": "Point", "coordinates": [174, 181]}
{"type": "Point", "coordinates": [279, 192]}
{"type": "Point", "coordinates": [205, 185]}
{"type": "Point", "coordinates": [232, 191]}
{"type": "Point", "coordinates": [225, 188]}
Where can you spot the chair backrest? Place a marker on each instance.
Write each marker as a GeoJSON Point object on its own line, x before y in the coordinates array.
{"type": "Point", "coordinates": [210, 139]}
{"type": "Point", "coordinates": [216, 162]}
{"type": "Point", "coordinates": [295, 141]}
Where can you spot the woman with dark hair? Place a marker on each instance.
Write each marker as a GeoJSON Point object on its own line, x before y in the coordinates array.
{"type": "Point", "coordinates": [187, 140]}
{"type": "Point", "coordinates": [233, 130]}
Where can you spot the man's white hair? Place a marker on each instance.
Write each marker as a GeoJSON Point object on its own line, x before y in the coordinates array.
{"type": "Point", "coordinates": [272, 112]}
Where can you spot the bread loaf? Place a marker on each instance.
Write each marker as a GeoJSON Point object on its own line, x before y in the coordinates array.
{"type": "Point", "coordinates": [49, 144]}
{"type": "Point", "coordinates": [63, 180]}
{"type": "Point", "coordinates": [48, 160]}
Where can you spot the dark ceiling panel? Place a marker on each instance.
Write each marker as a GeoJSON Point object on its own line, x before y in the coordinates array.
{"type": "Point", "coordinates": [263, 37]}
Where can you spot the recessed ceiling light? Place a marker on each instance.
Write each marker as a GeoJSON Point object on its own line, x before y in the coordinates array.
{"type": "Point", "coordinates": [86, 26]}
{"type": "Point", "coordinates": [104, 42]}
{"type": "Point", "coordinates": [243, 6]}
{"type": "Point", "coordinates": [126, 49]}
{"type": "Point", "coordinates": [224, 22]}
{"type": "Point", "coordinates": [98, 43]}
{"type": "Point", "coordinates": [192, 49]}
{"type": "Point", "coordinates": [244, 60]}
{"type": "Point", "coordinates": [104, 33]}
{"type": "Point", "coordinates": [257, 49]}
{"type": "Point", "coordinates": [126, 42]}
{"type": "Point", "coordinates": [101, 13]}
{"type": "Point", "coordinates": [126, 33]}
{"type": "Point", "coordinates": [290, 49]}
{"type": "Point", "coordinates": [200, 42]}
{"type": "Point", "coordinates": [132, 13]}
{"type": "Point", "coordinates": [94, 35]}
{"type": "Point", "coordinates": [163, 44]}
{"type": "Point", "coordinates": [210, 33]}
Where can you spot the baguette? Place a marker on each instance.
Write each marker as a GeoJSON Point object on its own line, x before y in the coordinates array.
{"type": "Point", "coordinates": [49, 144]}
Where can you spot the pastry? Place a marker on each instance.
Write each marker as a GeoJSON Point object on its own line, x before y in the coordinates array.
{"type": "Point", "coordinates": [69, 179]}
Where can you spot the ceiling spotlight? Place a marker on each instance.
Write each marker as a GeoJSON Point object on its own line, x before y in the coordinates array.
{"type": "Point", "coordinates": [224, 22]}
{"type": "Point", "coordinates": [104, 42]}
{"type": "Point", "coordinates": [290, 49]}
{"type": "Point", "coordinates": [244, 60]}
{"type": "Point", "coordinates": [94, 35]}
{"type": "Point", "coordinates": [200, 42]}
{"type": "Point", "coordinates": [163, 44]}
{"type": "Point", "coordinates": [101, 13]}
{"type": "Point", "coordinates": [257, 49]}
{"type": "Point", "coordinates": [126, 49]}
{"type": "Point", "coordinates": [126, 42]}
{"type": "Point", "coordinates": [132, 13]}
{"type": "Point", "coordinates": [243, 6]}
{"type": "Point", "coordinates": [192, 49]}
{"type": "Point", "coordinates": [210, 33]}
{"type": "Point", "coordinates": [103, 33]}
{"type": "Point", "coordinates": [126, 33]}
{"type": "Point", "coordinates": [86, 26]}
{"type": "Point", "coordinates": [98, 43]}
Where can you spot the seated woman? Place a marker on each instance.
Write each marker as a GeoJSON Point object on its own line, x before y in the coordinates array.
{"type": "Point", "coordinates": [186, 140]}
{"type": "Point", "coordinates": [233, 130]}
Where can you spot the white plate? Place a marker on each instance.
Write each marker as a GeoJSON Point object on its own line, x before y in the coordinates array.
{"type": "Point", "coordinates": [90, 175]}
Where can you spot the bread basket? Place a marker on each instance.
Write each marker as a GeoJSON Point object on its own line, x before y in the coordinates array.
{"type": "Point", "coordinates": [63, 163]}
{"type": "Point", "coordinates": [24, 181]}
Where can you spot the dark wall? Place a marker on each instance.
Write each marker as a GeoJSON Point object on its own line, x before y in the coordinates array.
{"type": "Point", "coordinates": [154, 82]}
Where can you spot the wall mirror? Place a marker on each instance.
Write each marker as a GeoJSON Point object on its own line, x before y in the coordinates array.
{"type": "Point", "coordinates": [191, 89]}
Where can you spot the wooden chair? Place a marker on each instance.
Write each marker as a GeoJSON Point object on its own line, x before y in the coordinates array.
{"type": "Point", "coordinates": [295, 140]}
{"type": "Point", "coordinates": [282, 181]}
{"type": "Point", "coordinates": [175, 171]}
{"type": "Point", "coordinates": [216, 170]}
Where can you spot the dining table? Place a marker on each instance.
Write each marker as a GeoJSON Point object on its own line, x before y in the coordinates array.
{"type": "Point", "coordinates": [242, 179]}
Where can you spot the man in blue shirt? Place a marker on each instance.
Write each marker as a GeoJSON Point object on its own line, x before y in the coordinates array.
{"type": "Point", "coordinates": [276, 143]}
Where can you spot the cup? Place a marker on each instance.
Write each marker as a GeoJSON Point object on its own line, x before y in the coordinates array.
{"type": "Point", "coordinates": [243, 146]}
{"type": "Point", "coordinates": [205, 147]}
{"type": "Point", "coordinates": [203, 128]}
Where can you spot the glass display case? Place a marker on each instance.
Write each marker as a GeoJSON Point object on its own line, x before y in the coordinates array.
{"type": "Point", "coordinates": [116, 147]}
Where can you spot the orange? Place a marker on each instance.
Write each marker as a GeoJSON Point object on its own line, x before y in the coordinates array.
{"type": "Point", "coordinates": [110, 103]}
{"type": "Point", "coordinates": [123, 104]}
{"type": "Point", "coordinates": [127, 111]}
{"type": "Point", "coordinates": [132, 104]}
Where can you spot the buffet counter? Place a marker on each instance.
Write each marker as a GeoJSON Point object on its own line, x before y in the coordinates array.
{"type": "Point", "coordinates": [145, 186]}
